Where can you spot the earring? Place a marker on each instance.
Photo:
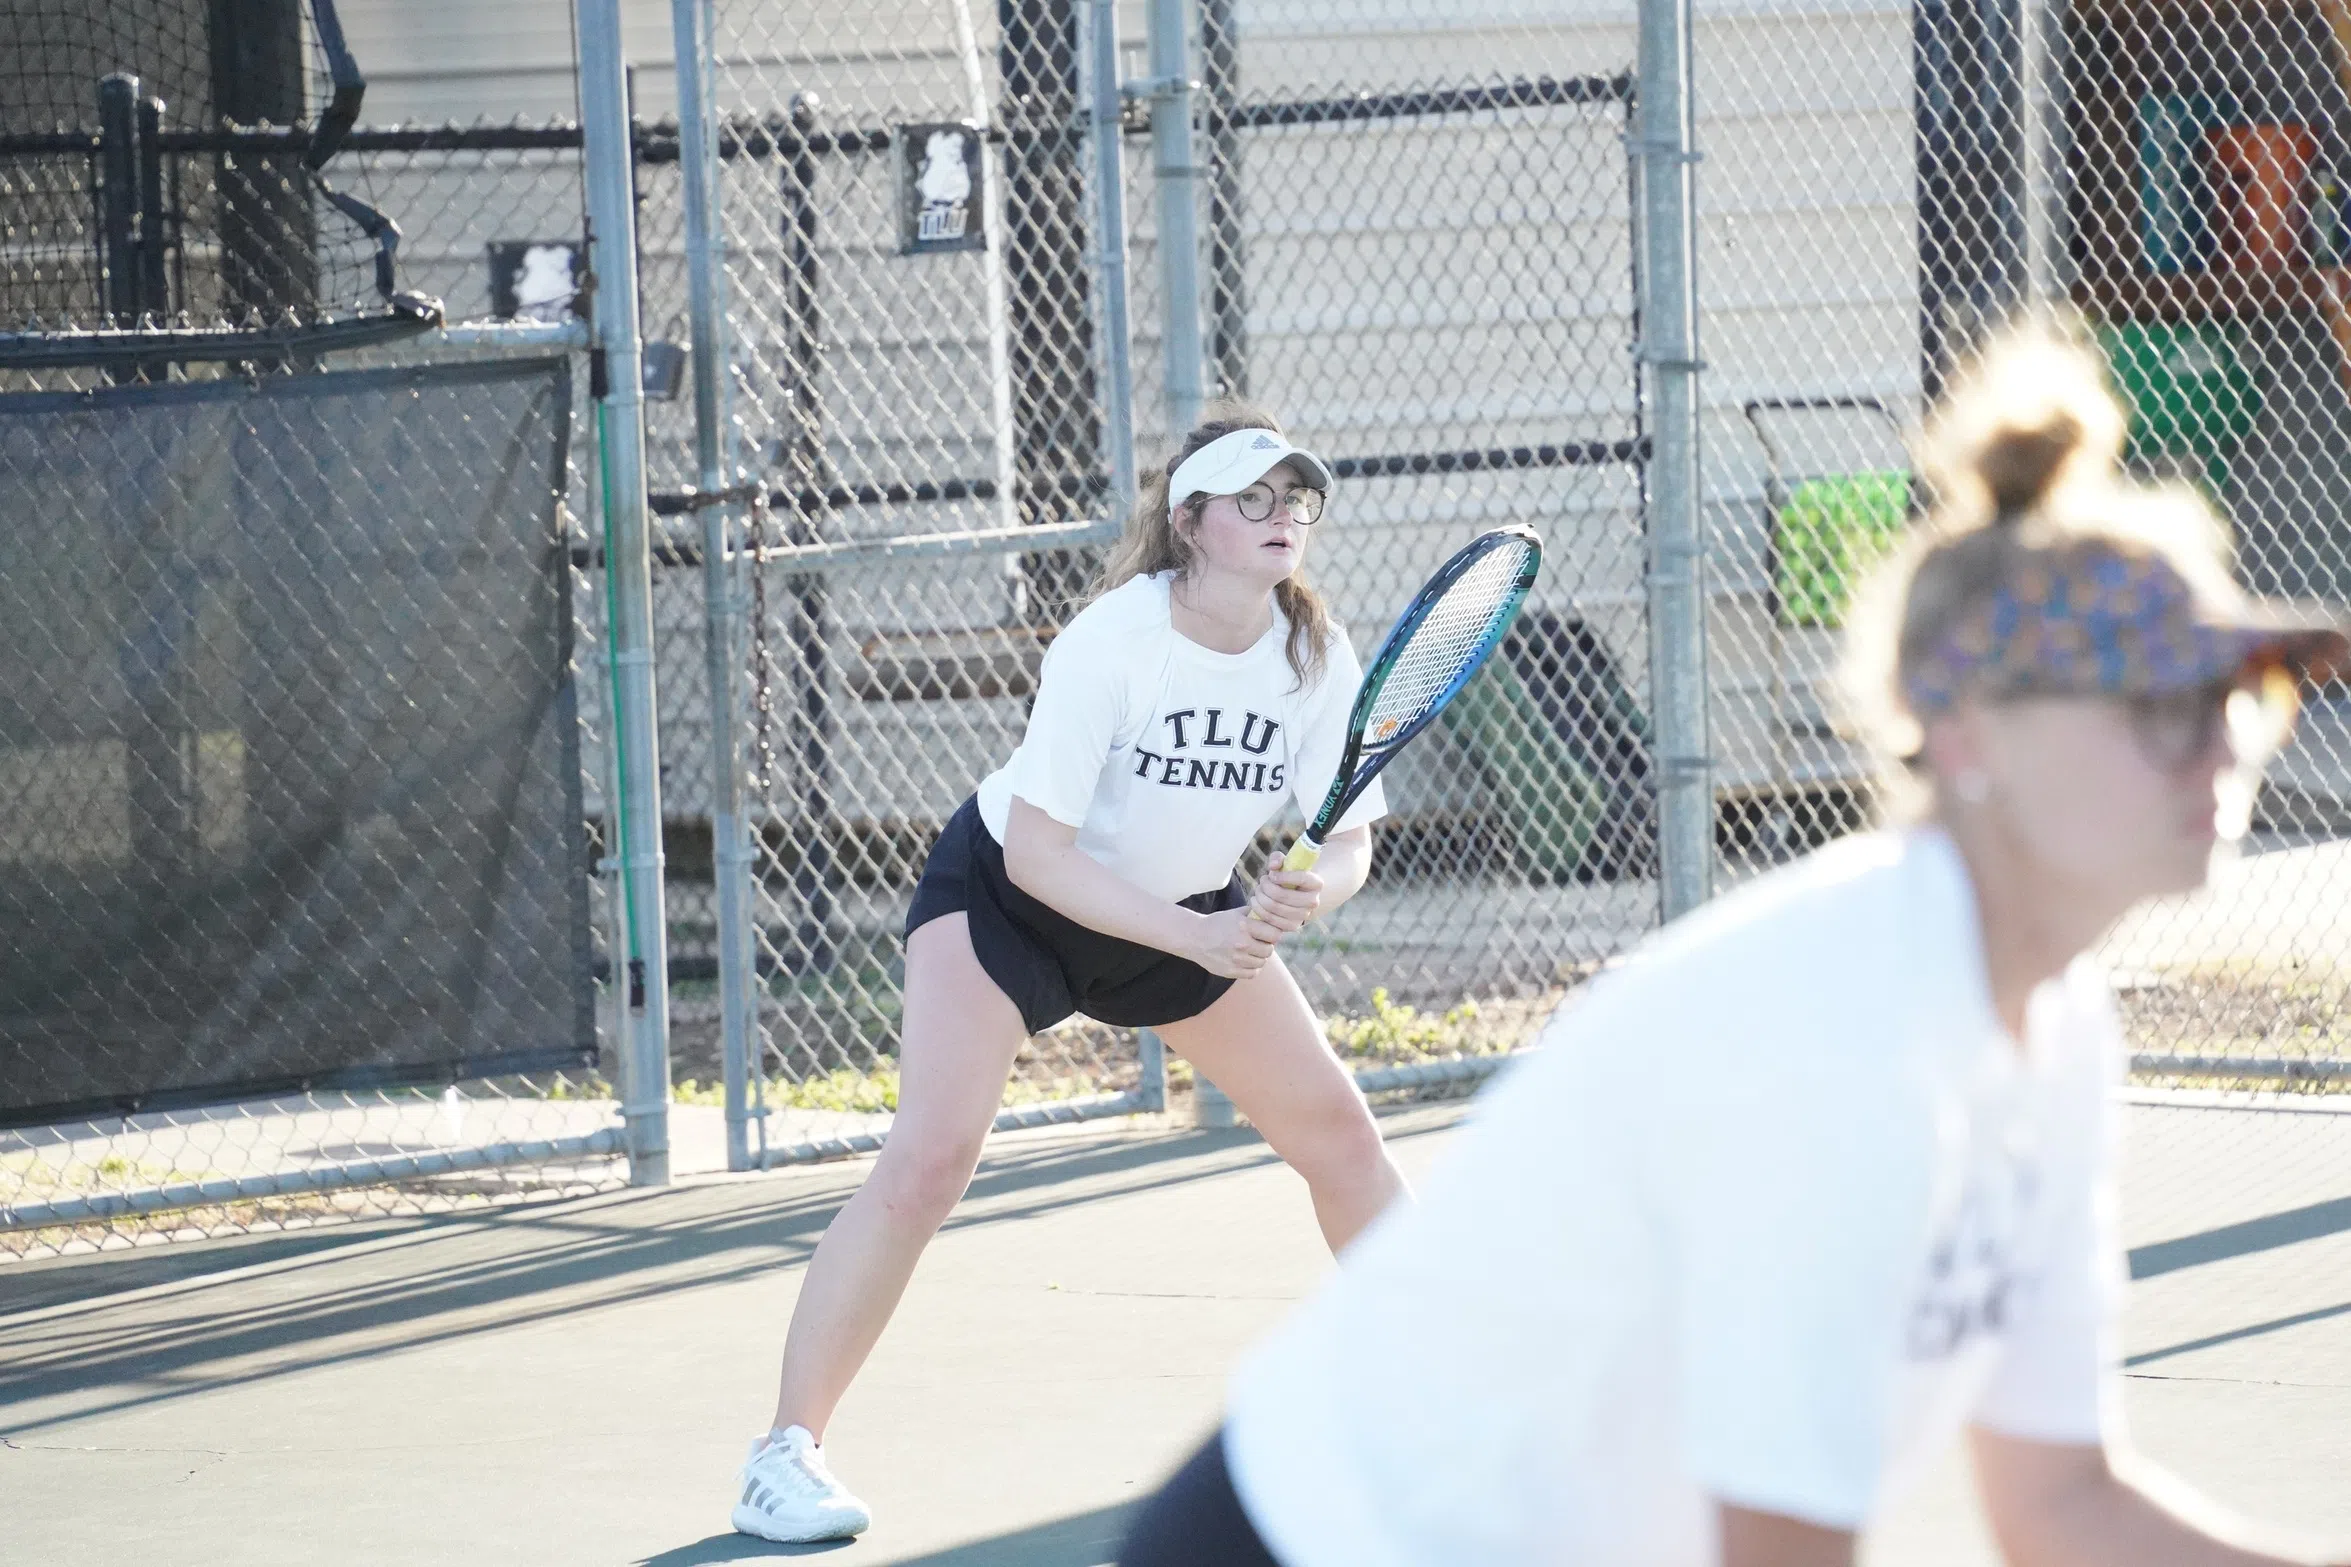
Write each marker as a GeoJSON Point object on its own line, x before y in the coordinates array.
{"type": "Point", "coordinates": [1972, 786]}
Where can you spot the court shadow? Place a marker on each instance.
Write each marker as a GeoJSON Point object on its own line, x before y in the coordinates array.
{"type": "Point", "coordinates": [166, 1323]}
{"type": "Point", "coordinates": [1081, 1540]}
{"type": "Point", "coordinates": [733, 1547]}
{"type": "Point", "coordinates": [2298, 1319]}
{"type": "Point", "coordinates": [2266, 1233]}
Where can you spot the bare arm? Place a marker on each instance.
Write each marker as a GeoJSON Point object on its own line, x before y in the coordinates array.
{"type": "Point", "coordinates": [2065, 1505]}
{"type": "Point", "coordinates": [1753, 1539]}
{"type": "Point", "coordinates": [1042, 857]}
{"type": "Point", "coordinates": [1344, 867]}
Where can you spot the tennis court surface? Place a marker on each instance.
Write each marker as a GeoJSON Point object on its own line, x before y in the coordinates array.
{"type": "Point", "coordinates": [574, 1383]}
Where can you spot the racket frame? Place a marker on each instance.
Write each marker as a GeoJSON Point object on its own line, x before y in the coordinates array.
{"type": "Point", "coordinates": [1357, 769]}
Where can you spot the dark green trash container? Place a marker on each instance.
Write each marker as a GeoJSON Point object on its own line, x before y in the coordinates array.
{"type": "Point", "coordinates": [2190, 392]}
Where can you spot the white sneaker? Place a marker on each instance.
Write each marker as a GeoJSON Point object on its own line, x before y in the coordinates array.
{"type": "Point", "coordinates": [789, 1495]}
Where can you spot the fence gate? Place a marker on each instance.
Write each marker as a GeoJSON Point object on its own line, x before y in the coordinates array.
{"type": "Point", "coordinates": [956, 331]}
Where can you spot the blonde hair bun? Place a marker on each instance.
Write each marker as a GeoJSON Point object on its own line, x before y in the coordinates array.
{"type": "Point", "coordinates": [2030, 418]}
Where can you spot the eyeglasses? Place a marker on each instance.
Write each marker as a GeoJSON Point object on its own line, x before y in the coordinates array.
{"type": "Point", "coordinates": [2256, 711]}
{"type": "Point", "coordinates": [1256, 503]}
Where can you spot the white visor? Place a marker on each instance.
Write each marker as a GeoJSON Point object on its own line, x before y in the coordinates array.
{"type": "Point", "coordinates": [1231, 463]}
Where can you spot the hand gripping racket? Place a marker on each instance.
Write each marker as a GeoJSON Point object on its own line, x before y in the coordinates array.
{"type": "Point", "coordinates": [1443, 637]}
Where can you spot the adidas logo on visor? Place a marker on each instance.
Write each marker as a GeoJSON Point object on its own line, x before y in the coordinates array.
{"type": "Point", "coordinates": [1264, 443]}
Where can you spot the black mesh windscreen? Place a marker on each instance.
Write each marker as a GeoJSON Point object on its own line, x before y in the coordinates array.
{"type": "Point", "coordinates": [58, 49]}
{"type": "Point", "coordinates": [289, 779]}
{"type": "Point", "coordinates": [160, 167]}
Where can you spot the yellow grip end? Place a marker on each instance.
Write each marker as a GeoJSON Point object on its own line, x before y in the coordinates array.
{"type": "Point", "coordinates": [1302, 855]}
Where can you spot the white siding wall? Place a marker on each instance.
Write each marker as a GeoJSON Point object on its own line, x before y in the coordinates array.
{"type": "Point", "coordinates": [1806, 262]}
{"type": "Point", "coordinates": [462, 62]}
{"type": "Point", "coordinates": [1809, 288]}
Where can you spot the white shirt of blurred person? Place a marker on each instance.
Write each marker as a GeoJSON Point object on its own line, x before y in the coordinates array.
{"type": "Point", "coordinates": [1822, 1177]}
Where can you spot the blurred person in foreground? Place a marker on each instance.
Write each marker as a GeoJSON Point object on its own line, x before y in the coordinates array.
{"type": "Point", "coordinates": [1823, 1176]}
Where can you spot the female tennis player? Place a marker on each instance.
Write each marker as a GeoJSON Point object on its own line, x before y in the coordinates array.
{"type": "Point", "coordinates": [1203, 689]}
{"type": "Point", "coordinates": [1822, 1177]}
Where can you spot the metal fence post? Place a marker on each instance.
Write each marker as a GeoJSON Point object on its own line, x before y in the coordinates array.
{"type": "Point", "coordinates": [1107, 99]}
{"type": "Point", "coordinates": [1177, 174]}
{"type": "Point", "coordinates": [809, 595]}
{"type": "Point", "coordinates": [159, 789]}
{"type": "Point", "coordinates": [1677, 564]}
{"type": "Point", "coordinates": [618, 386]}
{"type": "Point", "coordinates": [154, 278]}
{"type": "Point", "coordinates": [1228, 305]}
{"type": "Point", "coordinates": [1151, 1084]}
{"type": "Point", "coordinates": [722, 608]}
{"type": "Point", "coordinates": [1110, 254]}
{"type": "Point", "coordinates": [2042, 102]}
{"type": "Point", "coordinates": [1973, 124]}
{"type": "Point", "coordinates": [118, 195]}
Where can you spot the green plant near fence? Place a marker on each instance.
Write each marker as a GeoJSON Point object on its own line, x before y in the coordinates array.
{"type": "Point", "coordinates": [1390, 1033]}
{"type": "Point", "coordinates": [1393, 1032]}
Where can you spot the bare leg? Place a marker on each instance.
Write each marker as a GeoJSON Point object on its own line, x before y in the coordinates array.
{"type": "Point", "coordinates": [955, 1051]}
{"type": "Point", "coordinates": [1262, 1045]}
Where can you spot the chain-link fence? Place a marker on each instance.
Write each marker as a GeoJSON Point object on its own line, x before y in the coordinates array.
{"type": "Point", "coordinates": [942, 325]}
{"type": "Point", "coordinates": [913, 276]}
{"type": "Point", "coordinates": [1412, 238]}
{"type": "Point", "coordinates": [1883, 180]}
{"type": "Point", "coordinates": [2209, 272]}
{"type": "Point", "coordinates": [1421, 253]}
{"type": "Point", "coordinates": [974, 264]}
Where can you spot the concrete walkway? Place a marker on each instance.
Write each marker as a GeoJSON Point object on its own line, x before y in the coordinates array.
{"type": "Point", "coordinates": [574, 1383]}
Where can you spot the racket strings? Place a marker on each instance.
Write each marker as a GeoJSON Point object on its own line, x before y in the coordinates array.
{"type": "Point", "coordinates": [1463, 622]}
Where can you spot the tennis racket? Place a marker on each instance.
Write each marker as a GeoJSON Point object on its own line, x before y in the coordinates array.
{"type": "Point", "coordinates": [1443, 637]}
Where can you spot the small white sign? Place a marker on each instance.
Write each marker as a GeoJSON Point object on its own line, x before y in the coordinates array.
{"type": "Point", "coordinates": [942, 201]}
{"type": "Point", "coordinates": [535, 279]}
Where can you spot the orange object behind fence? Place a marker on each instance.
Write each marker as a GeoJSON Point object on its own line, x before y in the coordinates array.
{"type": "Point", "coordinates": [2259, 172]}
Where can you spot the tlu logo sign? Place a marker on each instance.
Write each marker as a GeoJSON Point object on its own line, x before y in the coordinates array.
{"type": "Point", "coordinates": [941, 195]}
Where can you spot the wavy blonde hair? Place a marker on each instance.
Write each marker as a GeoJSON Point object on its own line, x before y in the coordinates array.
{"type": "Point", "coordinates": [1157, 539]}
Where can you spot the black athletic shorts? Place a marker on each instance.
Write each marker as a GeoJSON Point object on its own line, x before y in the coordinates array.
{"type": "Point", "coordinates": [1196, 1520]}
{"type": "Point", "coordinates": [1048, 963]}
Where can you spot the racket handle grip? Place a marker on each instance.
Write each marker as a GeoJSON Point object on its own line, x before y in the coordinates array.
{"type": "Point", "coordinates": [1302, 855]}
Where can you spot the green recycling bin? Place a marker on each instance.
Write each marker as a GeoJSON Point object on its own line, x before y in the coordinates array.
{"type": "Point", "coordinates": [1827, 536]}
{"type": "Point", "coordinates": [2189, 390]}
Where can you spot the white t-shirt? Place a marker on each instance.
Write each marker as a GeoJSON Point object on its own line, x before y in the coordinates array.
{"type": "Point", "coordinates": [1169, 757]}
{"type": "Point", "coordinates": [1776, 1210]}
